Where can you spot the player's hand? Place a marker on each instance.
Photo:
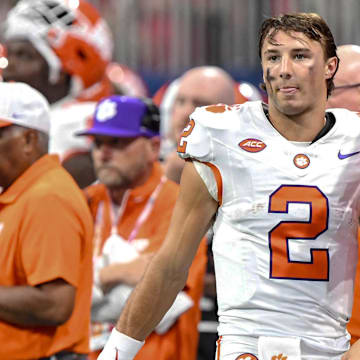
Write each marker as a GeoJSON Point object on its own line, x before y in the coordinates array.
{"type": "Point", "coordinates": [353, 353]}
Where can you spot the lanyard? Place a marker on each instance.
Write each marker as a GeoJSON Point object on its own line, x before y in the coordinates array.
{"type": "Point", "coordinates": [117, 213]}
{"type": "Point", "coordinates": [146, 211]}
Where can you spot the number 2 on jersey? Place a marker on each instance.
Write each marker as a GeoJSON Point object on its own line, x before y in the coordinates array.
{"type": "Point", "coordinates": [186, 132]}
{"type": "Point", "coordinates": [281, 267]}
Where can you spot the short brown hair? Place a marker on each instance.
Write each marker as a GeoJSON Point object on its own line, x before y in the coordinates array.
{"type": "Point", "coordinates": [310, 24]}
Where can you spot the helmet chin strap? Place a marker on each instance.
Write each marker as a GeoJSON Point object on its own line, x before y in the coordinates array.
{"type": "Point", "coordinates": [49, 55]}
{"type": "Point", "coordinates": [76, 86]}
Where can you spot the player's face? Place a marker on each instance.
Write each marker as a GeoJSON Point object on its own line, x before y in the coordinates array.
{"type": "Point", "coordinates": [123, 162]}
{"type": "Point", "coordinates": [26, 65]}
{"type": "Point", "coordinates": [295, 72]}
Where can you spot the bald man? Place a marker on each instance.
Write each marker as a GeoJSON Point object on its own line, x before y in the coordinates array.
{"type": "Point", "coordinates": [347, 80]}
{"type": "Point", "coordinates": [199, 86]}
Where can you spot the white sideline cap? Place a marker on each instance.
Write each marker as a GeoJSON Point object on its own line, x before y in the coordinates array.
{"type": "Point", "coordinates": [22, 105]}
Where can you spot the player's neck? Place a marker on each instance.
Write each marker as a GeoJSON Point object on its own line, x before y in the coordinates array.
{"type": "Point", "coordinates": [301, 127]}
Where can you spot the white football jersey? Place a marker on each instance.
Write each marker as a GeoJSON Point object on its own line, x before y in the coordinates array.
{"type": "Point", "coordinates": [285, 234]}
{"type": "Point", "coordinates": [66, 120]}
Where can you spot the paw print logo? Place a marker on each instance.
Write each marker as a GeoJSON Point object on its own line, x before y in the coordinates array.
{"type": "Point", "coordinates": [106, 110]}
{"type": "Point", "coordinates": [279, 357]}
{"type": "Point", "coordinates": [301, 161]}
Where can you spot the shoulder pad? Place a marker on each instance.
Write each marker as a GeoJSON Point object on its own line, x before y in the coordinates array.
{"type": "Point", "coordinates": [218, 116]}
{"type": "Point", "coordinates": [195, 139]}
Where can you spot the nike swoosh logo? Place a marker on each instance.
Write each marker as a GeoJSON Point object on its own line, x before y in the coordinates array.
{"type": "Point", "coordinates": [345, 156]}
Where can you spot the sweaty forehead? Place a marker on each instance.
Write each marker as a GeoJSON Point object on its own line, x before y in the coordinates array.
{"type": "Point", "coordinates": [278, 39]}
{"type": "Point", "coordinates": [281, 38]}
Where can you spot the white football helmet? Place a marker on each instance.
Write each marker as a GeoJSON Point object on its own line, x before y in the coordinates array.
{"type": "Point", "coordinates": [69, 34]}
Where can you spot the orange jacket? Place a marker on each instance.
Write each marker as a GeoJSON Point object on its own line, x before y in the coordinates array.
{"type": "Point", "coordinates": [180, 342]}
{"type": "Point", "coordinates": [46, 234]}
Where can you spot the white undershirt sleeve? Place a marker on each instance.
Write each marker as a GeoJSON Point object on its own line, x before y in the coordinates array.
{"type": "Point", "coordinates": [208, 177]}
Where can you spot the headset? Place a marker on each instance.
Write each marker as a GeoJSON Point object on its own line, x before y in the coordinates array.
{"type": "Point", "coordinates": [151, 119]}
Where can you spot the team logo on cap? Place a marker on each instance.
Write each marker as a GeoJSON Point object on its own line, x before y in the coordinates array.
{"type": "Point", "coordinates": [106, 110]}
{"type": "Point", "coordinates": [252, 145]}
{"type": "Point", "coordinates": [301, 161]}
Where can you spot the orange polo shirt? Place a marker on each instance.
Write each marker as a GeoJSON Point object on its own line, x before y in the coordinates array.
{"type": "Point", "coordinates": [180, 342]}
{"type": "Point", "coordinates": [46, 233]}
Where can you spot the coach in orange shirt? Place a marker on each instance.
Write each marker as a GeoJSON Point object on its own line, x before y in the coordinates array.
{"type": "Point", "coordinates": [45, 239]}
{"type": "Point", "coordinates": [132, 206]}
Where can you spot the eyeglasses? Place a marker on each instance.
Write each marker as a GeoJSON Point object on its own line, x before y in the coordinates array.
{"type": "Point", "coordinates": [350, 86]}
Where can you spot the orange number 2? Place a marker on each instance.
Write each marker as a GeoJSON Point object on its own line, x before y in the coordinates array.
{"type": "Point", "coordinates": [281, 267]}
{"type": "Point", "coordinates": [187, 131]}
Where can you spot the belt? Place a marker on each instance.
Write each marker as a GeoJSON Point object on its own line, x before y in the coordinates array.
{"type": "Point", "coordinates": [66, 355]}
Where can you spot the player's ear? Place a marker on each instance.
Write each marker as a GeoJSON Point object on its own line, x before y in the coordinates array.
{"type": "Point", "coordinates": [155, 146]}
{"type": "Point", "coordinates": [263, 73]}
{"type": "Point", "coordinates": [331, 67]}
{"type": "Point", "coordinates": [29, 140]}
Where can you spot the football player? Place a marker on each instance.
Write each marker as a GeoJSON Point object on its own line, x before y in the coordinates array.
{"type": "Point", "coordinates": [280, 185]}
{"type": "Point", "coordinates": [61, 48]}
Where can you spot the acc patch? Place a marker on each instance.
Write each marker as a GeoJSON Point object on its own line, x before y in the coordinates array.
{"type": "Point", "coordinates": [246, 356]}
{"type": "Point", "coordinates": [252, 145]}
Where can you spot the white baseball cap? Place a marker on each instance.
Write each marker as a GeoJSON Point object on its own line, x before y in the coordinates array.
{"type": "Point", "coordinates": [22, 105]}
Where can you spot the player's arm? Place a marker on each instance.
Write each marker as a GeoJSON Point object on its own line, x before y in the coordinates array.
{"type": "Point", "coordinates": [167, 273]}
{"type": "Point", "coordinates": [48, 304]}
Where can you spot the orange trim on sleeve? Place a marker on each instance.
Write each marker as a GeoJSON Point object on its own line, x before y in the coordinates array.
{"type": "Point", "coordinates": [354, 325]}
{"type": "Point", "coordinates": [4, 123]}
{"type": "Point", "coordinates": [218, 342]}
{"type": "Point", "coordinates": [218, 179]}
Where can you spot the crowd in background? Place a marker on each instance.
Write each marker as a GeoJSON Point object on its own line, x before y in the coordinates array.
{"type": "Point", "coordinates": [161, 39]}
